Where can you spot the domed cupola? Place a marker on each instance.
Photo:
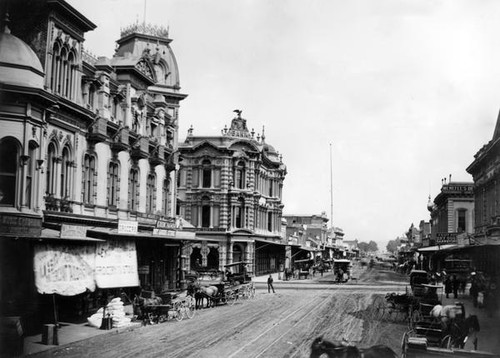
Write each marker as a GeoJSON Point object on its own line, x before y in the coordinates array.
{"type": "Point", "coordinates": [19, 65]}
{"type": "Point", "coordinates": [430, 205]}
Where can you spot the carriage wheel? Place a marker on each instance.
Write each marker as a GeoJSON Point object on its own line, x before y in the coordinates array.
{"type": "Point", "coordinates": [252, 292]}
{"type": "Point", "coordinates": [416, 317]}
{"type": "Point", "coordinates": [179, 314]}
{"type": "Point", "coordinates": [404, 345]}
{"type": "Point", "coordinates": [231, 298]}
{"type": "Point", "coordinates": [189, 308]}
{"type": "Point", "coordinates": [446, 342]}
{"type": "Point", "coordinates": [378, 308]}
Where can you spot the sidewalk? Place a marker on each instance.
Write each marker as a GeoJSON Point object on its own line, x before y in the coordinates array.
{"type": "Point", "coordinates": [489, 322]}
{"type": "Point", "coordinates": [69, 333]}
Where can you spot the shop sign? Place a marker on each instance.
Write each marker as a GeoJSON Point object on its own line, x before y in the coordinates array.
{"type": "Point", "coordinates": [446, 238]}
{"type": "Point", "coordinates": [168, 223]}
{"type": "Point", "coordinates": [164, 232]}
{"type": "Point", "coordinates": [73, 231]}
{"type": "Point", "coordinates": [64, 270]}
{"type": "Point", "coordinates": [116, 264]}
{"type": "Point", "coordinates": [18, 225]}
{"type": "Point", "coordinates": [127, 227]}
{"type": "Point", "coordinates": [143, 270]}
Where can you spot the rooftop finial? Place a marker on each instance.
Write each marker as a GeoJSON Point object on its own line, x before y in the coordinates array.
{"type": "Point", "coordinates": [6, 21]}
{"type": "Point", "coordinates": [263, 134]}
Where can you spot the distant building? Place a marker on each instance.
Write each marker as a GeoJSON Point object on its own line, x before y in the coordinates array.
{"type": "Point", "coordinates": [230, 189]}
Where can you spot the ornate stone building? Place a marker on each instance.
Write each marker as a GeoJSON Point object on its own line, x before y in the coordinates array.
{"type": "Point", "coordinates": [485, 170]}
{"type": "Point", "coordinates": [230, 189]}
{"type": "Point", "coordinates": [88, 145]}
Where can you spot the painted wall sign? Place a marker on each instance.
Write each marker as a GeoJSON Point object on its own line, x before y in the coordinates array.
{"type": "Point", "coordinates": [73, 231]}
{"type": "Point", "coordinates": [446, 238]}
{"type": "Point", "coordinates": [116, 264]}
{"type": "Point", "coordinates": [63, 269]}
{"type": "Point", "coordinates": [127, 227]}
{"type": "Point", "coordinates": [17, 225]}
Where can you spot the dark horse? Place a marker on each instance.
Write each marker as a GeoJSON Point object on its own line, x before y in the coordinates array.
{"type": "Point", "coordinates": [460, 330]}
{"type": "Point", "coordinates": [342, 350]}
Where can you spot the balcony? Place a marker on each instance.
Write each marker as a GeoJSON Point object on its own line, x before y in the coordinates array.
{"type": "Point", "coordinates": [121, 140]}
{"type": "Point", "coordinates": [140, 149]}
{"type": "Point", "coordinates": [98, 131]}
{"type": "Point", "coordinates": [157, 156]}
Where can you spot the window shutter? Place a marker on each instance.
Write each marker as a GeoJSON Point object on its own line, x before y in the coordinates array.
{"type": "Point", "coordinates": [217, 178]}
{"type": "Point", "coordinates": [195, 177]}
{"type": "Point", "coordinates": [215, 216]}
{"type": "Point", "coordinates": [194, 215]}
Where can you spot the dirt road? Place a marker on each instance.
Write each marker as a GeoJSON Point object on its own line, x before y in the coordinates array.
{"type": "Point", "coordinates": [271, 325]}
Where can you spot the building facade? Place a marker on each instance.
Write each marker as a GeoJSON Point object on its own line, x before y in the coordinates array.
{"type": "Point", "coordinates": [485, 171]}
{"type": "Point", "coordinates": [88, 146]}
{"type": "Point", "coordinates": [230, 189]}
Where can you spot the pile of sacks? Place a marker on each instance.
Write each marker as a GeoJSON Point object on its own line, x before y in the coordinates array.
{"type": "Point", "coordinates": [115, 311]}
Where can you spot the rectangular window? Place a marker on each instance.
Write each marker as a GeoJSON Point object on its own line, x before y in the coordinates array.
{"type": "Point", "coordinates": [133, 190]}
{"type": "Point", "coordinates": [462, 225]}
{"type": "Point", "coordinates": [207, 177]}
{"type": "Point", "coordinates": [205, 216]}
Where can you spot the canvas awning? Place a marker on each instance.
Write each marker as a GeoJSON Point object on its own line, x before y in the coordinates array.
{"type": "Point", "coordinates": [437, 248]}
{"type": "Point", "coordinates": [52, 234]}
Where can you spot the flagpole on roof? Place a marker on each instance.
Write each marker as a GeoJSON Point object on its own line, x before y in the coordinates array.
{"type": "Point", "coordinates": [331, 188]}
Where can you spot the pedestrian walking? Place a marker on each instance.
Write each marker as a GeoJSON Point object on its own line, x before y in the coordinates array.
{"type": "Point", "coordinates": [447, 286]}
{"type": "Point", "coordinates": [455, 286]}
{"type": "Point", "coordinates": [270, 284]}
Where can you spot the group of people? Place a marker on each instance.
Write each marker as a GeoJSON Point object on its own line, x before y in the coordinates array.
{"type": "Point", "coordinates": [453, 284]}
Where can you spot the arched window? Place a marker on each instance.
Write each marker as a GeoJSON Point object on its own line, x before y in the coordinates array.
{"type": "Point", "coordinates": [206, 174]}
{"type": "Point", "coordinates": [150, 193]}
{"type": "Point", "coordinates": [63, 63]}
{"type": "Point", "coordinates": [205, 212]}
{"type": "Point", "coordinates": [9, 155]}
{"type": "Point", "coordinates": [239, 175]}
{"type": "Point", "coordinates": [54, 67]}
{"type": "Point", "coordinates": [66, 174]}
{"type": "Point", "coordinates": [113, 184]}
{"type": "Point", "coordinates": [70, 72]}
{"type": "Point", "coordinates": [133, 190]}
{"type": "Point", "coordinates": [89, 178]}
{"type": "Point", "coordinates": [51, 170]}
{"type": "Point", "coordinates": [30, 172]}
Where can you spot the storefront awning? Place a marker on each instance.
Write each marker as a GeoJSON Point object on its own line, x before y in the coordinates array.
{"type": "Point", "coordinates": [270, 242]}
{"type": "Point", "coordinates": [437, 248]}
{"type": "Point", "coordinates": [51, 234]}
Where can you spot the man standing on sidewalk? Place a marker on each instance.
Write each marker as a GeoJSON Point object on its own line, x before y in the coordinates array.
{"type": "Point", "coordinates": [270, 284]}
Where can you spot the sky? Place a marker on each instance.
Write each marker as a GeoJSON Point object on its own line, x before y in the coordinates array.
{"type": "Point", "coordinates": [388, 96]}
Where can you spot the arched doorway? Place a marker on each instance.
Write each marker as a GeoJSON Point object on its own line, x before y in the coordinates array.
{"type": "Point", "coordinates": [213, 258]}
{"type": "Point", "coordinates": [195, 259]}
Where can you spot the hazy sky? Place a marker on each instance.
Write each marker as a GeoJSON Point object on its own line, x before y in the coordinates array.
{"type": "Point", "coordinates": [406, 92]}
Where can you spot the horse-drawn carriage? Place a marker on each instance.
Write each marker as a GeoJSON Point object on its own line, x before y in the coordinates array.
{"type": "Point", "coordinates": [342, 269]}
{"type": "Point", "coordinates": [224, 289]}
{"type": "Point", "coordinates": [442, 331]}
{"type": "Point", "coordinates": [302, 268]}
{"type": "Point", "coordinates": [152, 308]}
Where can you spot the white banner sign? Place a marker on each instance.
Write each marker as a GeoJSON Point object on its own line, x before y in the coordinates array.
{"type": "Point", "coordinates": [116, 264]}
{"type": "Point", "coordinates": [65, 270]}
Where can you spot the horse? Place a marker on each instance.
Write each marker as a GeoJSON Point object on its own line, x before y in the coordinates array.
{"type": "Point", "coordinates": [343, 350]}
{"type": "Point", "coordinates": [460, 330]}
{"type": "Point", "coordinates": [201, 293]}
{"type": "Point", "coordinates": [141, 307]}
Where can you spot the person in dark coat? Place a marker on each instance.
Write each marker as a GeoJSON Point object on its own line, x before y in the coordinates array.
{"type": "Point", "coordinates": [447, 286]}
{"type": "Point", "coordinates": [270, 284]}
{"type": "Point", "coordinates": [456, 284]}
